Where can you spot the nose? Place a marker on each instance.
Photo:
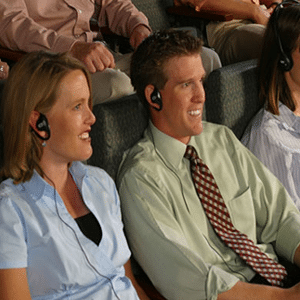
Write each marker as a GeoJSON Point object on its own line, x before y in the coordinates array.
{"type": "Point", "coordinates": [199, 92]}
{"type": "Point", "coordinates": [90, 117]}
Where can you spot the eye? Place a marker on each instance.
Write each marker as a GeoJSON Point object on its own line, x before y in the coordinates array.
{"type": "Point", "coordinates": [186, 84]}
{"type": "Point", "coordinates": [77, 107]}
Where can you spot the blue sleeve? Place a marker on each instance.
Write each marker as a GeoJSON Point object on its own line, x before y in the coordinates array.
{"type": "Point", "coordinates": [13, 247]}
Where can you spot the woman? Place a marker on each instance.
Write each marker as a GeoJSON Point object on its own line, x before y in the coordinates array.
{"type": "Point", "coordinates": [61, 235]}
{"type": "Point", "coordinates": [274, 134]}
{"type": "Point", "coordinates": [4, 69]}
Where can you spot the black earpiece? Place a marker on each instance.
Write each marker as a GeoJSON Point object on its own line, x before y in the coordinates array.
{"type": "Point", "coordinates": [285, 60]}
{"type": "Point", "coordinates": [156, 98]}
{"type": "Point", "coordinates": [43, 125]}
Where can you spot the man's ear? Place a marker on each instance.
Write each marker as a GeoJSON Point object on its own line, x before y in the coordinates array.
{"type": "Point", "coordinates": [149, 89]}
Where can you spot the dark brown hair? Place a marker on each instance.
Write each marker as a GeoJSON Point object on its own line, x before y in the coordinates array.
{"type": "Point", "coordinates": [150, 58]}
{"type": "Point", "coordinates": [283, 25]}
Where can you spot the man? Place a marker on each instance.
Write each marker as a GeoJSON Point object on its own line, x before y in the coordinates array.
{"type": "Point", "coordinates": [63, 26]}
{"type": "Point", "coordinates": [170, 234]}
{"type": "Point", "coordinates": [239, 39]}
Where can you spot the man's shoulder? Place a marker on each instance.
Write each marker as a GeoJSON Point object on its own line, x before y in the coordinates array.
{"type": "Point", "coordinates": [142, 152]}
{"type": "Point", "coordinates": [216, 129]}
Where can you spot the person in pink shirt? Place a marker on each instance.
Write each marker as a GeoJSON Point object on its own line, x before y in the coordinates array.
{"type": "Point", "coordinates": [63, 26]}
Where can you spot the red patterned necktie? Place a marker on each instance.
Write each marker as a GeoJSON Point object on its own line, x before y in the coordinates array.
{"type": "Point", "coordinates": [217, 213]}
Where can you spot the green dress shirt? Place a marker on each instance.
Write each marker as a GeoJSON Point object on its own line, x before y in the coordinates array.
{"type": "Point", "coordinates": [168, 231]}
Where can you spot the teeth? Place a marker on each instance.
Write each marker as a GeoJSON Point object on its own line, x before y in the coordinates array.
{"type": "Point", "coordinates": [84, 136]}
{"type": "Point", "coordinates": [194, 112]}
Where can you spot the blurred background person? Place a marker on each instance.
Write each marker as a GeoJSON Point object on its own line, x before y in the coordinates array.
{"type": "Point", "coordinates": [274, 133]}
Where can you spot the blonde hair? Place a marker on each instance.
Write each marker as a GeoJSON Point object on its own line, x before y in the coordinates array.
{"type": "Point", "coordinates": [32, 85]}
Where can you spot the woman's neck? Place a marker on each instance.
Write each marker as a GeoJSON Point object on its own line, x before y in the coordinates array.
{"type": "Point", "coordinates": [56, 175]}
{"type": "Point", "coordinates": [295, 92]}
{"type": "Point", "coordinates": [61, 179]}
{"type": "Point", "coordinates": [296, 99]}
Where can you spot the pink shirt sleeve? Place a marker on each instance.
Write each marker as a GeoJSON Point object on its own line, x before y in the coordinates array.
{"type": "Point", "coordinates": [121, 16]}
{"type": "Point", "coordinates": [31, 25]}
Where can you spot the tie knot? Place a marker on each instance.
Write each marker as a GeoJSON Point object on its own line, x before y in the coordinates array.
{"type": "Point", "coordinates": [190, 152]}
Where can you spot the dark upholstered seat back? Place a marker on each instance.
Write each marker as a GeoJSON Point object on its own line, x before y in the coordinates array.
{"type": "Point", "coordinates": [231, 100]}
{"type": "Point", "coordinates": [155, 11]}
{"type": "Point", "coordinates": [119, 125]}
{"type": "Point", "coordinates": [232, 95]}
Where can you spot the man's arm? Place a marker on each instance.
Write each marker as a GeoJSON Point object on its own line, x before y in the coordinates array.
{"type": "Point", "coordinates": [160, 246]}
{"type": "Point", "coordinates": [18, 31]}
{"type": "Point", "coordinates": [123, 18]}
{"type": "Point", "coordinates": [238, 8]}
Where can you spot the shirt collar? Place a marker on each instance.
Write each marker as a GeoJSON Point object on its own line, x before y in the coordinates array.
{"type": "Point", "coordinates": [170, 149]}
{"type": "Point", "coordinates": [288, 119]}
{"type": "Point", "coordinates": [38, 187]}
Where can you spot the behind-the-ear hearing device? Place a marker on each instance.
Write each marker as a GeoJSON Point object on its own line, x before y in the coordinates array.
{"type": "Point", "coordinates": [156, 98]}
{"type": "Point", "coordinates": [285, 60]}
{"type": "Point", "coordinates": [43, 125]}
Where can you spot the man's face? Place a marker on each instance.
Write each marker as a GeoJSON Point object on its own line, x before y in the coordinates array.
{"type": "Point", "coordinates": [183, 98]}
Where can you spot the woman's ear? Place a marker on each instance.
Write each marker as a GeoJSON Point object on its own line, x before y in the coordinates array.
{"type": "Point", "coordinates": [42, 130]}
{"type": "Point", "coordinates": [34, 116]}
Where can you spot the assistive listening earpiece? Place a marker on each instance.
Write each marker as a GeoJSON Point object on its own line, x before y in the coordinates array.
{"type": "Point", "coordinates": [42, 125]}
{"type": "Point", "coordinates": [156, 98]}
{"type": "Point", "coordinates": [285, 60]}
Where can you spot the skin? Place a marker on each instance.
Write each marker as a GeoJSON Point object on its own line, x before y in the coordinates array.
{"type": "Point", "coordinates": [183, 98]}
{"type": "Point", "coordinates": [293, 79]}
{"type": "Point", "coordinates": [240, 9]}
{"type": "Point", "coordinates": [97, 57]}
{"type": "Point", "coordinates": [70, 121]}
{"type": "Point", "coordinates": [4, 73]}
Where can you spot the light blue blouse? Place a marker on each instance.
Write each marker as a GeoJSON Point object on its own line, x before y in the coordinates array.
{"type": "Point", "coordinates": [275, 140]}
{"type": "Point", "coordinates": [38, 233]}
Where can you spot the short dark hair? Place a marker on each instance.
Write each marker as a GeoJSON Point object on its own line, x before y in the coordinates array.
{"type": "Point", "coordinates": [284, 25]}
{"type": "Point", "coordinates": [148, 61]}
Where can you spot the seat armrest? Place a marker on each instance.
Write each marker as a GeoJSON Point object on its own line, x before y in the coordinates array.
{"type": "Point", "coordinates": [187, 11]}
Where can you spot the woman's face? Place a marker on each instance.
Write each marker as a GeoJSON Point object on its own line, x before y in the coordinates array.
{"type": "Point", "coordinates": [70, 121]}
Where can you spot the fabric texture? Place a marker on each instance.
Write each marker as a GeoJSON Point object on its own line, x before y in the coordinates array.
{"type": "Point", "coordinates": [275, 140]}
{"type": "Point", "coordinates": [236, 40]}
{"type": "Point", "coordinates": [55, 25]}
{"type": "Point", "coordinates": [33, 25]}
{"type": "Point", "coordinates": [218, 215]}
{"type": "Point", "coordinates": [166, 226]}
{"type": "Point", "coordinates": [38, 233]}
{"type": "Point", "coordinates": [232, 96]}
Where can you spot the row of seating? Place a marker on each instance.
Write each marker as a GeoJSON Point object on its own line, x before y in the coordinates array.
{"type": "Point", "coordinates": [231, 100]}
{"type": "Point", "coordinates": [161, 14]}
